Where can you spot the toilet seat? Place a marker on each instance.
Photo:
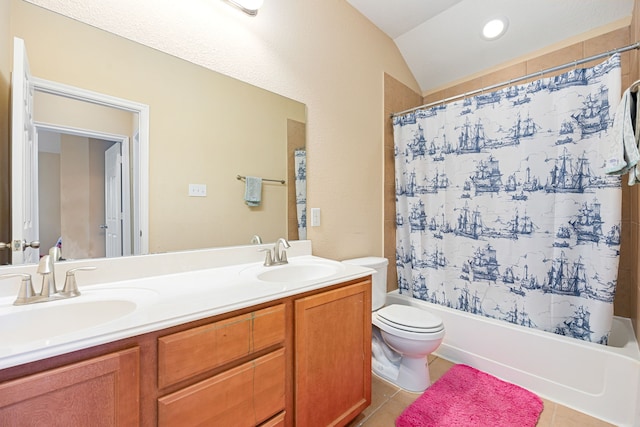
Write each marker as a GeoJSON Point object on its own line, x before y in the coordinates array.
{"type": "Point", "coordinates": [409, 319]}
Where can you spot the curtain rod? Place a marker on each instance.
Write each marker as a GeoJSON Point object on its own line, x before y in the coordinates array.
{"type": "Point", "coordinates": [528, 76]}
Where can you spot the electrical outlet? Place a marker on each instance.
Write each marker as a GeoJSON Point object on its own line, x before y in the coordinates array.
{"type": "Point", "coordinates": [315, 217]}
{"type": "Point", "coordinates": [198, 190]}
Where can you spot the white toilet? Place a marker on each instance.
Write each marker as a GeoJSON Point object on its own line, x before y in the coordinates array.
{"type": "Point", "coordinates": [402, 335]}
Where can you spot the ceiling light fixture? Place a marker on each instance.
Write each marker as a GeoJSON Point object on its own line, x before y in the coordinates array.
{"type": "Point", "coordinates": [494, 28]}
{"type": "Point", "coordinates": [250, 7]}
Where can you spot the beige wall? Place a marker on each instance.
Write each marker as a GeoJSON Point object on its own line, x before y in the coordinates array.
{"type": "Point", "coordinates": [72, 113]}
{"type": "Point", "coordinates": [75, 196]}
{"type": "Point", "coordinates": [626, 301]}
{"type": "Point", "coordinates": [49, 199]}
{"type": "Point", "coordinates": [397, 97]}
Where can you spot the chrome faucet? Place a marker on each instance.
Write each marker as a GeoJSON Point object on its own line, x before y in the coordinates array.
{"type": "Point", "coordinates": [278, 257]}
{"type": "Point", "coordinates": [49, 290]}
{"type": "Point", "coordinates": [256, 240]}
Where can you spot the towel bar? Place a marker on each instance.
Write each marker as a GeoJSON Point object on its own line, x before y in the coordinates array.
{"type": "Point", "coordinates": [281, 181]}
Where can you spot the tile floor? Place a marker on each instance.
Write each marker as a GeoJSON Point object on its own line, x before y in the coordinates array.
{"type": "Point", "coordinates": [388, 401]}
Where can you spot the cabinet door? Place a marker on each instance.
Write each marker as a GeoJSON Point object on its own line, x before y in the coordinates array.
{"type": "Point", "coordinates": [333, 355]}
{"type": "Point", "coordinates": [103, 391]}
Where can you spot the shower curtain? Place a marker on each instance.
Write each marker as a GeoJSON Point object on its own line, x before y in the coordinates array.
{"type": "Point", "coordinates": [503, 207]}
{"type": "Point", "coordinates": [300, 162]}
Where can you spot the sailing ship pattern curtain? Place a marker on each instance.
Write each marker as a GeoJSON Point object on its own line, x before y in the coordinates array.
{"type": "Point", "coordinates": [503, 208]}
{"type": "Point", "coordinates": [300, 164]}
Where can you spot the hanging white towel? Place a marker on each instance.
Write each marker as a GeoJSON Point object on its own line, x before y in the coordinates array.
{"type": "Point", "coordinates": [622, 154]}
{"type": "Point", "coordinates": [253, 191]}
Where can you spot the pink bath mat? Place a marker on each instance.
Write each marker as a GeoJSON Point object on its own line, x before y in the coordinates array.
{"type": "Point", "coordinates": [467, 397]}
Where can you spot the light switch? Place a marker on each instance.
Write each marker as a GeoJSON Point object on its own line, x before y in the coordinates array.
{"type": "Point", "coordinates": [198, 190]}
{"type": "Point", "coordinates": [315, 217]}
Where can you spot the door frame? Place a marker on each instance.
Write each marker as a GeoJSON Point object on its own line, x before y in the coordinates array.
{"type": "Point", "coordinates": [140, 179]}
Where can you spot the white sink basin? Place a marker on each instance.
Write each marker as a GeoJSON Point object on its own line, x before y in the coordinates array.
{"type": "Point", "coordinates": [45, 321]}
{"type": "Point", "coordinates": [299, 272]}
{"type": "Point", "coordinates": [295, 271]}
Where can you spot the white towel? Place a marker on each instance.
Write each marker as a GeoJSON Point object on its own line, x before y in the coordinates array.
{"type": "Point", "coordinates": [253, 191]}
{"type": "Point", "coordinates": [622, 153]}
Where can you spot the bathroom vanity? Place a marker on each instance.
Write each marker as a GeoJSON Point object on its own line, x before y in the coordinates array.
{"type": "Point", "coordinates": [299, 357]}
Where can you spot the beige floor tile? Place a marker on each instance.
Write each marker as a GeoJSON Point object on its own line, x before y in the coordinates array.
{"type": "Point", "coordinates": [405, 398]}
{"type": "Point", "coordinates": [566, 417]}
{"type": "Point", "coordinates": [381, 392]}
{"type": "Point", "coordinates": [438, 367]}
{"type": "Point", "coordinates": [386, 416]}
{"type": "Point", "coordinates": [381, 419]}
{"type": "Point", "coordinates": [546, 417]}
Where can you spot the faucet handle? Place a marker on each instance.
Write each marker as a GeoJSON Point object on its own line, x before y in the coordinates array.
{"type": "Point", "coordinates": [70, 285]}
{"type": "Point", "coordinates": [268, 259]}
{"type": "Point", "coordinates": [26, 291]}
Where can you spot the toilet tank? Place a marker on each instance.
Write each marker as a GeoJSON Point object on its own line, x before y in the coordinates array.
{"type": "Point", "coordinates": [378, 279]}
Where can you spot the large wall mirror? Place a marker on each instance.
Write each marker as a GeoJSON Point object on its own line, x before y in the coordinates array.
{"type": "Point", "coordinates": [204, 128]}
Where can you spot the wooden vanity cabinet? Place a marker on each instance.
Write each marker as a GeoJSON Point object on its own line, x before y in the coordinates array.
{"type": "Point", "coordinates": [333, 355]}
{"type": "Point", "coordinates": [303, 360]}
{"type": "Point", "coordinates": [101, 391]}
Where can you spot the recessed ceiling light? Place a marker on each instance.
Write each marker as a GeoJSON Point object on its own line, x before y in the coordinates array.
{"type": "Point", "coordinates": [494, 28]}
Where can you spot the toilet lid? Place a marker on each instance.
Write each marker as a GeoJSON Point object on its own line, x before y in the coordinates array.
{"type": "Point", "coordinates": [410, 319]}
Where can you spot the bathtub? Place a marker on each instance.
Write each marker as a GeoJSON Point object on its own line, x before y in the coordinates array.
{"type": "Point", "coordinates": [601, 381]}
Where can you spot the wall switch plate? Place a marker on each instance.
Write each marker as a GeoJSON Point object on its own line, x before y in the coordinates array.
{"type": "Point", "coordinates": [198, 190]}
{"type": "Point", "coordinates": [315, 217]}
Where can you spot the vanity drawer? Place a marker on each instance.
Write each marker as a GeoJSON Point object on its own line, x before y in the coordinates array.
{"type": "Point", "coordinates": [188, 353]}
{"type": "Point", "coordinates": [277, 421]}
{"type": "Point", "coordinates": [242, 396]}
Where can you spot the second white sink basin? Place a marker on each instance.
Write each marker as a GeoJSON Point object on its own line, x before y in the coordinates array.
{"type": "Point", "coordinates": [299, 270]}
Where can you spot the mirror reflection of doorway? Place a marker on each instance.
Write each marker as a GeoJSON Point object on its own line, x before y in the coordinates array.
{"type": "Point", "coordinates": [82, 191]}
{"type": "Point", "coordinates": [40, 105]}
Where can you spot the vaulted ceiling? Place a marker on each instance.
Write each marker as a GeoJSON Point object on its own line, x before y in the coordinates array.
{"type": "Point", "coordinates": [441, 40]}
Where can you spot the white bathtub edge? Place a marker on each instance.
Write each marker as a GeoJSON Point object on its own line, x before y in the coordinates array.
{"type": "Point", "coordinates": [617, 400]}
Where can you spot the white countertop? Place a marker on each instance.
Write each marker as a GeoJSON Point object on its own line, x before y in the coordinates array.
{"type": "Point", "coordinates": [161, 301]}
